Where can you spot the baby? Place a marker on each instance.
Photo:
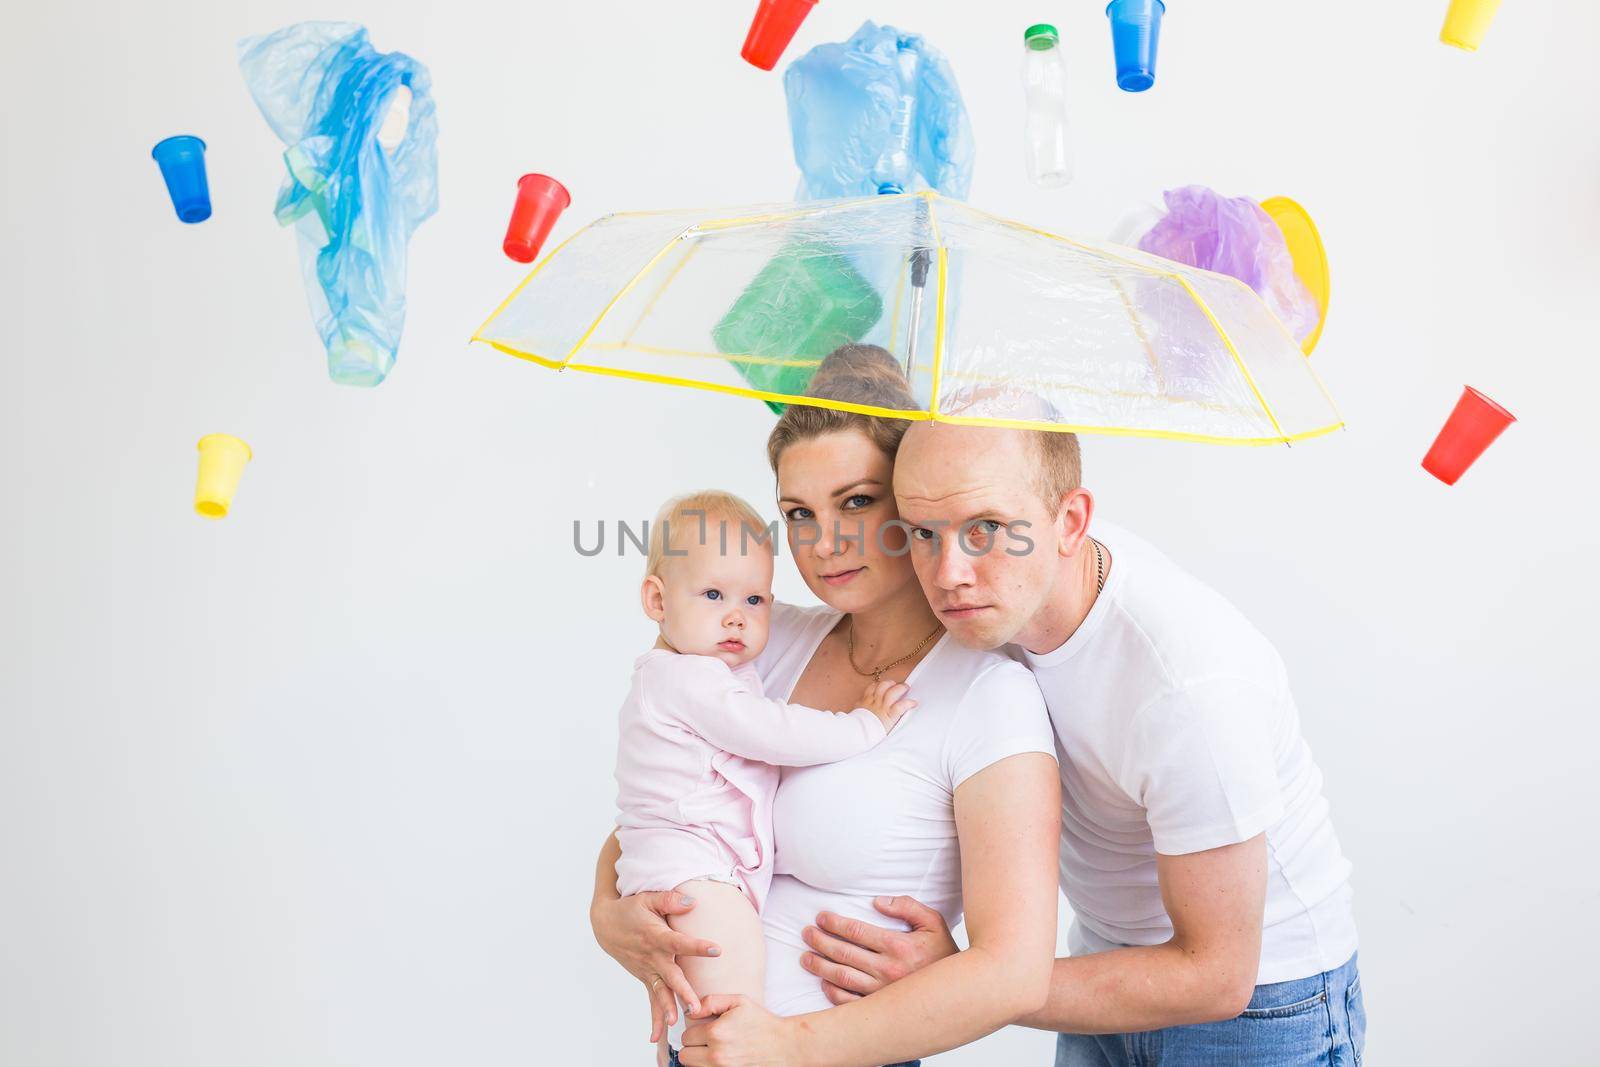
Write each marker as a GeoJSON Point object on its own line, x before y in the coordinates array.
{"type": "Point", "coordinates": [700, 744]}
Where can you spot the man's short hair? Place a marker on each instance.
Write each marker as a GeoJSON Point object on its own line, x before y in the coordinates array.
{"type": "Point", "coordinates": [1058, 466]}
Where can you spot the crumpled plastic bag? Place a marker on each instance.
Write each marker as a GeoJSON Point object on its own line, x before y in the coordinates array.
{"type": "Point", "coordinates": [325, 92]}
{"type": "Point", "coordinates": [881, 109]}
{"type": "Point", "coordinates": [1232, 235]}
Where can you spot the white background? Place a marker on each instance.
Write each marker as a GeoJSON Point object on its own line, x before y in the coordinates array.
{"type": "Point", "coordinates": [322, 784]}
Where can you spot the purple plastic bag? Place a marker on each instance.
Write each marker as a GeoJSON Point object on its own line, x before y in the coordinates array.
{"type": "Point", "coordinates": [1232, 235]}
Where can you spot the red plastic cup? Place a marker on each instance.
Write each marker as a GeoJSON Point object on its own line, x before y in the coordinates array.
{"type": "Point", "coordinates": [1471, 428]}
{"type": "Point", "coordinates": [540, 201]}
{"type": "Point", "coordinates": [772, 29]}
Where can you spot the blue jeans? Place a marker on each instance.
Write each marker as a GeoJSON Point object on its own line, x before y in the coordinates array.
{"type": "Point", "coordinates": [672, 1060]}
{"type": "Point", "coordinates": [1311, 1022]}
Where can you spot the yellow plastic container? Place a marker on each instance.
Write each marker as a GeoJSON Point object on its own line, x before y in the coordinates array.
{"type": "Point", "coordinates": [1467, 22]}
{"type": "Point", "coordinates": [222, 460]}
{"type": "Point", "coordinates": [1310, 259]}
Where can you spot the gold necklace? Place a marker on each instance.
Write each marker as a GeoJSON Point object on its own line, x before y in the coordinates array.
{"type": "Point", "coordinates": [877, 672]}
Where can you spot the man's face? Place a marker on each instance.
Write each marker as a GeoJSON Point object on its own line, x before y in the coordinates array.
{"type": "Point", "coordinates": [984, 545]}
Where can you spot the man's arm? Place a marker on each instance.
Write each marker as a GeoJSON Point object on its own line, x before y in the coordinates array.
{"type": "Point", "coordinates": [1205, 973]}
{"type": "Point", "coordinates": [1200, 761]}
{"type": "Point", "coordinates": [634, 932]}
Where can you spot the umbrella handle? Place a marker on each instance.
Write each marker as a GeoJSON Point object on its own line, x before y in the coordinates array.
{"type": "Point", "coordinates": [920, 258]}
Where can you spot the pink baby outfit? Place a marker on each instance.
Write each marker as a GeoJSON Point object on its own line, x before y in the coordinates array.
{"type": "Point", "coordinates": [698, 752]}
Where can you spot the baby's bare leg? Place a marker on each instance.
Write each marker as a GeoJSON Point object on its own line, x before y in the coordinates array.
{"type": "Point", "coordinates": [724, 915]}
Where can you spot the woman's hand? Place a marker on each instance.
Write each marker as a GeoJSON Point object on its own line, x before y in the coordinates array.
{"type": "Point", "coordinates": [854, 958]}
{"type": "Point", "coordinates": [634, 932]}
{"type": "Point", "coordinates": [743, 1034]}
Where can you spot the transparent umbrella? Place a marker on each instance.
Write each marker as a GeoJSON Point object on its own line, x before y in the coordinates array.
{"type": "Point", "coordinates": [996, 323]}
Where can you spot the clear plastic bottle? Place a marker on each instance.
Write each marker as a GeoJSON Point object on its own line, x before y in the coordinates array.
{"type": "Point", "coordinates": [1044, 81]}
{"type": "Point", "coordinates": [896, 167]}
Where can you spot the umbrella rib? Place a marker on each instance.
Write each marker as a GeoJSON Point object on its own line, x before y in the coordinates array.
{"type": "Point", "coordinates": [899, 291]}
{"type": "Point", "coordinates": [1181, 280]}
{"type": "Point", "coordinates": [1114, 394]}
{"type": "Point", "coordinates": [938, 308]}
{"type": "Point", "coordinates": [709, 224]}
{"type": "Point", "coordinates": [1315, 377]}
{"type": "Point", "coordinates": [1128, 431]}
{"type": "Point", "coordinates": [519, 353]}
{"type": "Point", "coordinates": [959, 375]}
{"type": "Point", "coordinates": [911, 414]}
{"type": "Point", "coordinates": [672, 276]}
{"type": "Point", "coordinates": [477, 335]}
{"type": "Point", "coordinates": [820, 208]}
{"type": "Point", "coordinates": [1233, 351]}
{"type": "Point", "coordinates": [1080, 245]}
{"type": "Point", "coordinates": [1144, 339]}
{"type": "Point", "coordinates": [624, 291]}
{"type": "Point", "coordinates": [725, 357]}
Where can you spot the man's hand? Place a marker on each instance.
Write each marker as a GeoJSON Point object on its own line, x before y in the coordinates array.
{"type": "Point", "coordinates": [744, 1034]}
{"type": "Point", "coordinates": [854, 958]}
{"type": "Point", "coordinates": [634, 932]}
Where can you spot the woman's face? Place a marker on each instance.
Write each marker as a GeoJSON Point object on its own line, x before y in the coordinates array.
{"type": "Point", "coordinates": [836, 495]}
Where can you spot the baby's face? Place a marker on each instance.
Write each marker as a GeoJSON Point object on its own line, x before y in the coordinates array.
{"type": "Point", "coordinates": [717, 604]}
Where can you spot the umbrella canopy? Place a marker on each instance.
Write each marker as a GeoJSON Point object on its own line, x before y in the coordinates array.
{"type": "Point", "coordinates": [996, 323]}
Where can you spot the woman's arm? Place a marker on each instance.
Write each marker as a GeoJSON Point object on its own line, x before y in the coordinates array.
{"type": "Point", "coordinates": [1008, 824]}
{"type": "Point", "coordinates": [1206, 973]}
{"type": "Point", "coordinates": [634, 932]}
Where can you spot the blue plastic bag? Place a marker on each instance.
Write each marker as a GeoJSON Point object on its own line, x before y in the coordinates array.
{"type": "Point", "coordinates": [325, 92]}
{"type": "Point", "coordinates": [879, 112]}
{"type": "Point", "coordinates": [1232, 235]}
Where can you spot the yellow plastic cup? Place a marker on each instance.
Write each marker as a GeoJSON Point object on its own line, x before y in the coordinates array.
{"type": "Point", "coordinates": [222, 460]}
{"type": "Point", "coordinates": [1310, 259]}
{"type": "Point", "coordinates": [1467, 22]}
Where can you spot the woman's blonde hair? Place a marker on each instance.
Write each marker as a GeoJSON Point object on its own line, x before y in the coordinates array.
{"type": "Point", "coordinates": [700, 512]}
{"type": "Point", "coordinates": [855, 374]}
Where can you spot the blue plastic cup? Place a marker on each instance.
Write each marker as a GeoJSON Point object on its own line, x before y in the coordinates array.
{"type": "Point", "coordinates": [1135, 34]}
{"type": "Point", "coordinates": [183, 165]}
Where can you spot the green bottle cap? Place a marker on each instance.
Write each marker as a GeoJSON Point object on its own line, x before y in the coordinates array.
{"type": "Point", "coordinates": [1041, 37]}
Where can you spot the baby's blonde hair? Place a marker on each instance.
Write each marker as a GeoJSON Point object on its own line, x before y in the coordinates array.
{"type": "Point", "coordinates": [682, 513]}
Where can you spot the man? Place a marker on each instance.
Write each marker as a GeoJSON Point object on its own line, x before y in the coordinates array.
{"type": "Point", "coordinates": [1211, 899]}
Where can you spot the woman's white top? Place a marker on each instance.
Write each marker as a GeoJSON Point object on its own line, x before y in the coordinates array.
{"type": "Point", "coordinates": [882, 823]}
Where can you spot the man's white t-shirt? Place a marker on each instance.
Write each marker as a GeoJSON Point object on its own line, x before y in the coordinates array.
{"type": "Point", "coordinates": [1177, 733]}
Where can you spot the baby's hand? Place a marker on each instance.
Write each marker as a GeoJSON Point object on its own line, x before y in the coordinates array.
{"type": "Point", "coordinates": [888, 700]}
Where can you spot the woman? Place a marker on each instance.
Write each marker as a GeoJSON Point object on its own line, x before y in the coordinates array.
{"type": "Point", "coordinates": [958, 807]}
